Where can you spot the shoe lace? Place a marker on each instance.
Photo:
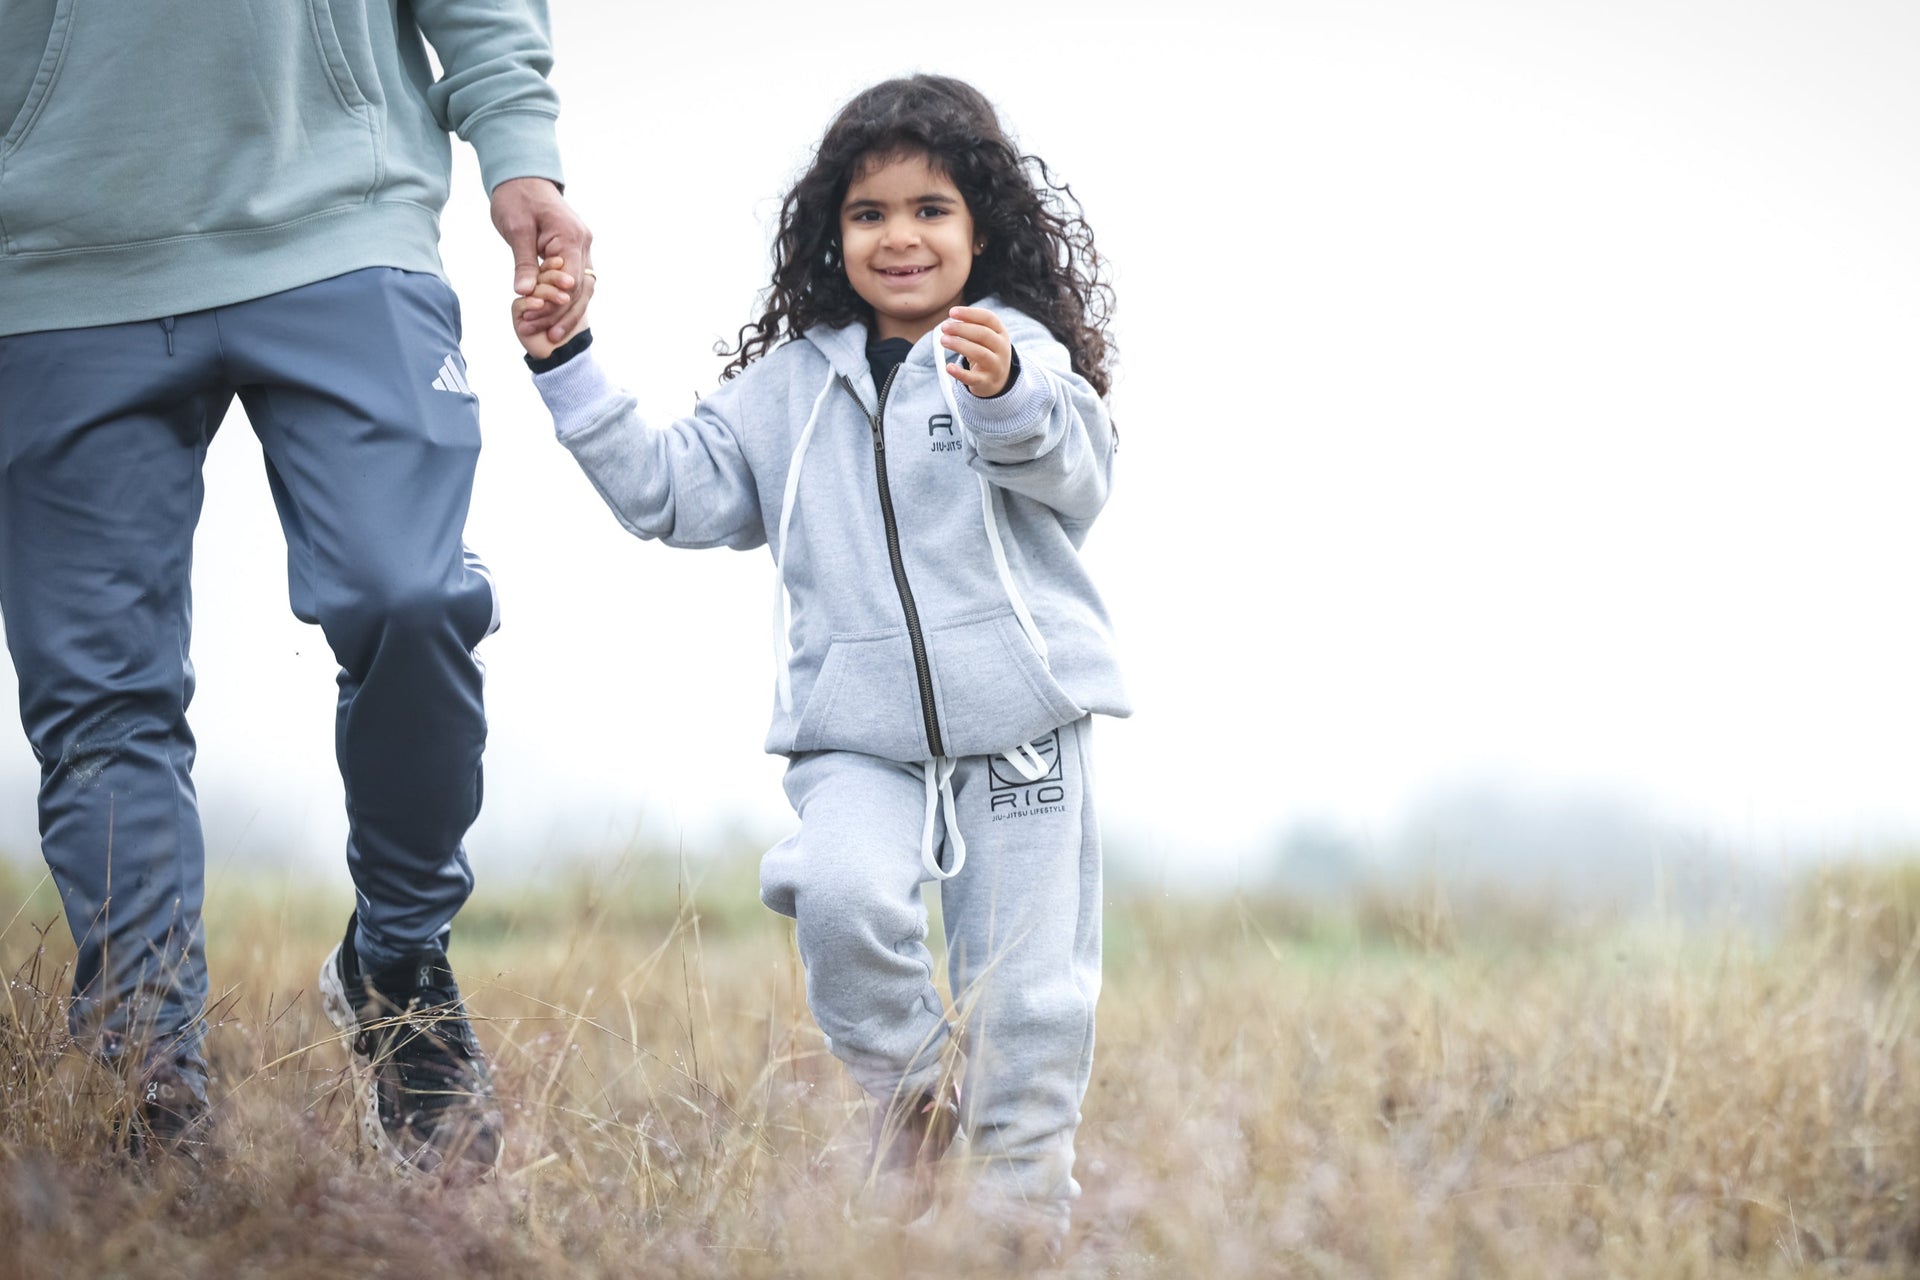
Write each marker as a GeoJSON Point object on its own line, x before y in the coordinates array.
{"type": "Point", "coordinates": [429, 1050]}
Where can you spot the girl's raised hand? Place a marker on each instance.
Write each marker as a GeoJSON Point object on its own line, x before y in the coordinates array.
{"type": "Point", "coordinates": [977, 334]}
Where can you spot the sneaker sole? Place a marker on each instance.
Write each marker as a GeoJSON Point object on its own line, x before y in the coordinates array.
{"type": "Point", "coordinates": [333, 1000]}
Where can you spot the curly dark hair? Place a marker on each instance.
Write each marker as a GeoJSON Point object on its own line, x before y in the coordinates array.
{"type": "Point", "coordinates": [1039, 254]}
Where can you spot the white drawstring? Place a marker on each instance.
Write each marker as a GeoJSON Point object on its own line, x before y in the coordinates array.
{"type": "Point", "coordinates": [782, 621]}
{"type": "Point", "coordinates": [939, 776]}
{"type": "Point", "coordinates": [1027, 762]}
{"type": "Point", "coordinates": [991, 519]}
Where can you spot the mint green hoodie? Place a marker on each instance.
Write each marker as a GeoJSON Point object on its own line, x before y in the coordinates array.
{"type": "Point", "coordinates": [165, 156]}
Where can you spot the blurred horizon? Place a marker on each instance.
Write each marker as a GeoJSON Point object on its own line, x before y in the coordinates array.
{"type": "Point", "coordinates": [1568, 850]}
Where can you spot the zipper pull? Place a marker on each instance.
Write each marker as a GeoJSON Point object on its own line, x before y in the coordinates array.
{"type": "Point", "coordinates": [879, 436]}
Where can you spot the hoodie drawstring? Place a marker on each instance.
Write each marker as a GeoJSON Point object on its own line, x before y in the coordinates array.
{"type": "Point", "coordinates": [990, 516]}
{"type": "Point", "coordinates": [1024, 759]}
{"type": "Point", "coordinates": [782, 619]}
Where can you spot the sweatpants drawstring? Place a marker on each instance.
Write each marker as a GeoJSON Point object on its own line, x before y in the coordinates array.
{"type": "Point", "coordinates": [939, 776]}
{"type": "Point", "coordinates": [1027, 762]}
{"type": "Point", "coordinates": [166, 323]}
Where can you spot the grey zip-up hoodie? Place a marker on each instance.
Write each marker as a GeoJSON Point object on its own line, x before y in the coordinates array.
{"type": "Point", "coordinates": [912, 635]}
{"type": "Point", "coordinates": [165, 156]}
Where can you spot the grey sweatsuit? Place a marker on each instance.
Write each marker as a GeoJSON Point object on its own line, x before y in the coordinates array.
{"type": "Point", "coordinates": [933, 686]}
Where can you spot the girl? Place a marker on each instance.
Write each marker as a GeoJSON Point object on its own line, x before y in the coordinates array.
{"type": "Point", "coordinates": [915, 428]}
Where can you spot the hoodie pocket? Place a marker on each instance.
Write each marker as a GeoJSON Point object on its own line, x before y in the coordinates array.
{"type": "Point", "coordinates": [993, 690]}
{"type": "Point", "coordinates": [866, 698]}
{"type": "Point", "coordinates": [141, 126]}
{"type": "Point", "coordinates": [28, 79]}
{"type": "Point", "coordinates": [351, 87]}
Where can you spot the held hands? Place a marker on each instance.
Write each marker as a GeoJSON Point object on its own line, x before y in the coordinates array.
{"type": "Point", "coordinates": [551, 294]}
{"type": "Point", "coordinates": [977, 334]}
{"type": "Point", "coordinates": [540, 226]}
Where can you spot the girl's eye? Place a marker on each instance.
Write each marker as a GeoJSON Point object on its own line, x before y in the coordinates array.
{"type": "Point", "coordinates": [932, 211]}
{"type": "Point", "coordinates": [867, 215]}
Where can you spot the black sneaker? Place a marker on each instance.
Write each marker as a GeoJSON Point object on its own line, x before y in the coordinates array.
{"type": "Point", "coordinates": [425, 1084]}
{"type": "Point", "coordinates": [168, 1113]}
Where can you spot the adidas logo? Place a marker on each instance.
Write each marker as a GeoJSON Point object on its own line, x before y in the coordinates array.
{"type": "Point", "coordinates": [451, 378]}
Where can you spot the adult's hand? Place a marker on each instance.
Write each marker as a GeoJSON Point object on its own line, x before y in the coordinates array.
{"type": "Point", "coordinates": [537, 223]}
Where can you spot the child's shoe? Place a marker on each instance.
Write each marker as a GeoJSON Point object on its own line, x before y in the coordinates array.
{"type": "Point", "coordinates": [909, 1138]}
{"type": "Point", "coordinates": [1019, 1234]}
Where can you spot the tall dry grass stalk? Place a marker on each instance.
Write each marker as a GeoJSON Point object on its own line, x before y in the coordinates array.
{"type": "Point", "coordinates": [1397, 1088]}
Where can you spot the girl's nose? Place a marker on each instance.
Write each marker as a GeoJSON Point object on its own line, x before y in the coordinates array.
{"type": "Point", "coordinates": [902, 233]}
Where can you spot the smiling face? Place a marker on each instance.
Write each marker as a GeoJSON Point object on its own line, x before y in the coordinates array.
{"type": "Point", "coordinates": [907, 241]}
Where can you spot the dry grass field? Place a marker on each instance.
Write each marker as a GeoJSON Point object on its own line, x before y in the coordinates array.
{"type": "Point", "coordinates": [1391, 1086]}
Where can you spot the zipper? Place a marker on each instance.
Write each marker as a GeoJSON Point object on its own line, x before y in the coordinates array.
{"type": "Point", "coordinates": [923, 669]}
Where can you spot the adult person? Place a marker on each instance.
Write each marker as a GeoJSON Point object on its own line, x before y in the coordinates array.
{"type": "Point", "coordinates": [204, 199]}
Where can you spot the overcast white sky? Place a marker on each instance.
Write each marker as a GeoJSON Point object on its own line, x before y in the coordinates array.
{"type": "Point", "coordinates": [1512, 392]}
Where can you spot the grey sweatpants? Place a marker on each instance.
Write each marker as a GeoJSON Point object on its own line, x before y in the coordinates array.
{"type": "Point", "coordinates": [1023, 941]}
{"type": "Point", "coordinates": [354, 387]}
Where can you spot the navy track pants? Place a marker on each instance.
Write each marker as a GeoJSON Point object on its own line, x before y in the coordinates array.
{"type": "Point", "coordinates": [356, 390]}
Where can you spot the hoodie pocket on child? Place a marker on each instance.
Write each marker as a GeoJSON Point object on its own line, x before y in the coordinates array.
{"type": "Point", "coordinates": [993, 690]}
{"type": "Point", "coordinates": [866, 698]}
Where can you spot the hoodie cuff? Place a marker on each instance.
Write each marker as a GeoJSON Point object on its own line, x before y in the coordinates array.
{"type": "Point", "coordinates": [580, 341]}
{"type": "Point", "coordinates": [1020, 404]}
{"type": "Point", "coordinates": [578, 393]}
{"type": "Point", "coordinates": [516, 144]}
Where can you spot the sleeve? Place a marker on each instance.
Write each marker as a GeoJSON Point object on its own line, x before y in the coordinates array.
{"type": "Point", "coordinates": [493, 90]}
{"type": "Point", "coordinates": [687, 484]}
{"type": "Point", "coordinates": [1046, 436]}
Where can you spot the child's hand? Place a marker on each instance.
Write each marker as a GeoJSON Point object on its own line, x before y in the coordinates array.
{"type": "Point", "coordinates": [977, 334]}
{"type": "Point", "coordinates": [552, 290]}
